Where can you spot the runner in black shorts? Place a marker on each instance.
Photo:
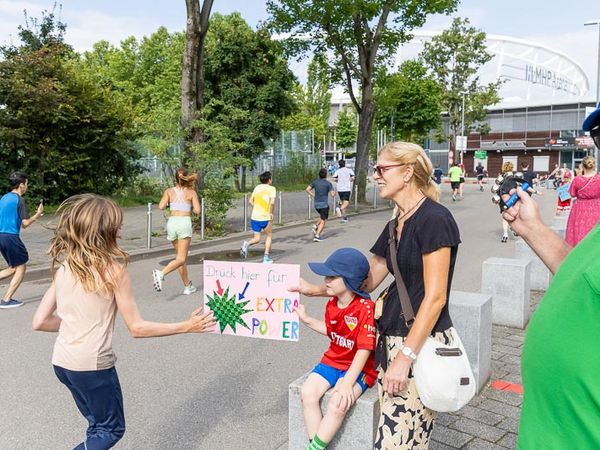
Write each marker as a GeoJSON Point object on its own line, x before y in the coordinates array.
{"type": "Point", "coordinates": [320, 190]}
{"type": "Point", "coordinates": [13, 216]}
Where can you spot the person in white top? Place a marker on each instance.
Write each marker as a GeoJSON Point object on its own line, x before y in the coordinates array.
{"type": "Point", "coordinates": [182, 201]}
{"type": "Point", "coordinates": [90, 284]}
{"type": "Point", "coordinates": [344, 177]}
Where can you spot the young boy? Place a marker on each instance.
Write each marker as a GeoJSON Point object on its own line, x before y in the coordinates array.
{"type": "Point", "coordinates": [320, 190]}
{"type": "Point", "coordinates": [263, 202]}
{"type": "Point", "coordinates": [348, 364]}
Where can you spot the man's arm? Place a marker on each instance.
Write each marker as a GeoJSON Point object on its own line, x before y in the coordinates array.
{"type": "Point", "coordinates": [525, 220]}
{"type": "Point", "coordinates": [39, 213]}
{"type": "Point", "coordinates": [309, 190]}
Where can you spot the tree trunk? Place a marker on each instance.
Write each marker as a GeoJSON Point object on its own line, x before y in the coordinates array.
{"type": "Point", "coordinates": [363, 142]}
{"type": "Point", "coordinates": [192, 77]}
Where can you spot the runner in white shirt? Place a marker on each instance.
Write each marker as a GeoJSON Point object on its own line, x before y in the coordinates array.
{"type": "Point", "coordinates": [344, 178]}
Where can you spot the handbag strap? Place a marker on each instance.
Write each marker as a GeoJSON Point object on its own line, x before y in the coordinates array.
{"type": "Point", "coordinates": [407, 309]}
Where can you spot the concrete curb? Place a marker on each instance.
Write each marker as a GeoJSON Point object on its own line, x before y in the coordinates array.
{"type": "Point", "coordinates": [41, 273]}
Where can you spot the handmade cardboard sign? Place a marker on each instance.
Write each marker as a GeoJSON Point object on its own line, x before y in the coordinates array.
{"type": "Point", "coordinates": [252, 300]}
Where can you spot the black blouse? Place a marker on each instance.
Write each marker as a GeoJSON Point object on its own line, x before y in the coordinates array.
{"type": "Point", "coordinates": [428, 229]}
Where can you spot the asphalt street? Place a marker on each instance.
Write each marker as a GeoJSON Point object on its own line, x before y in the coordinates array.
{"type": "Point", "coordinates": [206, 391]}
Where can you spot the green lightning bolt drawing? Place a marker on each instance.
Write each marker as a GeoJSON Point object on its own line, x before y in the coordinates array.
{"type": "Point", "coordinates": [227, 311]}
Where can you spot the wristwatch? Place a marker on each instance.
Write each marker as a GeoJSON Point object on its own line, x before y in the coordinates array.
{"type": "Point", "coordinates": [407, 351]}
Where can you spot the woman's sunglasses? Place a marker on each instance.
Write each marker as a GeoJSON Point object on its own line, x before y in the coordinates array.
{"type": "Point", "coordinates": [380, 169]}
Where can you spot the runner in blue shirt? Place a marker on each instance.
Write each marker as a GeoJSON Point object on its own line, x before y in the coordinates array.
{"type": "Point", "coordinates": [13, 216]}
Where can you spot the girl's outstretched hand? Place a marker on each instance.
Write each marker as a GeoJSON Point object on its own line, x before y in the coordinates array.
{"type": "Point", "coordinates": [200, 322]}
{"type": "Point", "coordinates": [306, 288]}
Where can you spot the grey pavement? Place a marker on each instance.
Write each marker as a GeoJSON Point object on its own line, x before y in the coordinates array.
{"type": "Point", "coordinates": [222, 392]}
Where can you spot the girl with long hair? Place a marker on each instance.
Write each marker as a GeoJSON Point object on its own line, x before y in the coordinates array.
{"type": "Point", "coordinates": [90, 284]}
{"type": "Point", "coordinates": [182, 200]}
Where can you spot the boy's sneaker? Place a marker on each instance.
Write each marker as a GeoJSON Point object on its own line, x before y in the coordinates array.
{"type": "Point", "coordinates": [12, 303]}
{"type": "Point", "coordinates": [189, 289]}
{"type": "Point", "coordinates": [338, 210]}
{"type": "Point", "coordinates": [267, 260]}
{"type": "Point", "coordinates": [344, 220]}
{"type": "Point", "coordinates": [317, 238]}
{"type": "Point", "coordinates": [244, 250]}
{"type": "Point", "coordinates": [157, 279]}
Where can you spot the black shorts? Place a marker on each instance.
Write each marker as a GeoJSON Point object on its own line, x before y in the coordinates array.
{"type": "Point", "coordinates": [323, 212]}
{"type": "Point", "coordinates": [455, 184]}
{"type": "Point", "coordinates": [480, 177]}
{"type": "Point", "coordinates": [344, 196]}
{"type": "Point", "coordinates": [462, 180]}
{"type": "Point", "coordinates": [13, 250]}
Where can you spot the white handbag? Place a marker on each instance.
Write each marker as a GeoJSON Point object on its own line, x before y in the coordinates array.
{"type": "Point", "coordinates": [442, 373]}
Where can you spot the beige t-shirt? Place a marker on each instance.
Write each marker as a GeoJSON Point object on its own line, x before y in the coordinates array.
{"type": "Point", "coordinates": [84, 339]}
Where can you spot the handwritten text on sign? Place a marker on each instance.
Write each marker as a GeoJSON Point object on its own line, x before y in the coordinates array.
{"type": "Point", "coordinates": [252, 300]}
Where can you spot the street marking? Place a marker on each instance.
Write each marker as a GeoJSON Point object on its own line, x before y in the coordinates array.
{"type": "Point", "coordinates": [502, 385]}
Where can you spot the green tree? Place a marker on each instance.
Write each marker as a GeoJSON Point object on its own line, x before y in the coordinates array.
{"type": "Point", "coordinates": [454, 58]}
{"type": "Point", "coordinates": [57, 125]}
{"type": "Point", "coordinates": [246, 70]}
{"type": "Point", "coordinates": [147, 73]}
{"type": "Point", "coordinates": [345, 128]}
{"type": "Point", "coordinates": [409, 102]}
{"type": "Point", "coordinates": [361, 36]}
{"type": "Point", "coordinates": [312, 101]}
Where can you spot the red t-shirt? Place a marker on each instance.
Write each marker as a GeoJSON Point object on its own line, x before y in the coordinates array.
{"type": "Point", "coordinates": [350, 329]}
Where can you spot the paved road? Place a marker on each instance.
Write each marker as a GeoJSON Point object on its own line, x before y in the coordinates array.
{"type": "Point", "coordinates": [216, 392]}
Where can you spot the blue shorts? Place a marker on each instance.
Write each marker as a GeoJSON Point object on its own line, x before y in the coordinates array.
{"type": "Point", "coordinates": [332, 375]}
{"type": "Point", "coordinates": [259, 225]}
{"type": "Point", "coordinates": [13, 250]}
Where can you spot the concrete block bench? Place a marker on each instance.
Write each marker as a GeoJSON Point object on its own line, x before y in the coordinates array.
{"type": "Point", "coordinates": [508, 282]}
{"type": "Point", "coordinates": [540, 274]}
{"type": "Point", "coordinates": [359, 427]}
{"type": "Point", "coordinates": [472, 317]}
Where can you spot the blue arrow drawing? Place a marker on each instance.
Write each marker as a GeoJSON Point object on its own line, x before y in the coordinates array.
{"type": "Point", "coordinates": [241, 296]}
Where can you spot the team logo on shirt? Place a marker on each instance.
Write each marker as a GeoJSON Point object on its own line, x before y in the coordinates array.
{"type": "Point", "coordinates": [351, 322]}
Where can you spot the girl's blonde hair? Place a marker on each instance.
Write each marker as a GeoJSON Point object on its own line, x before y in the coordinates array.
{"type": "Point", "coordinates": [183, 178]}
{"type": "Point", "coordinates": [589, 162]}
{"type": "Point", "coordinates": [507, 167]}
{"type": "Point", "coordinates": [85, 239]}
{"type": "Point", "coordinates": [412, 154]}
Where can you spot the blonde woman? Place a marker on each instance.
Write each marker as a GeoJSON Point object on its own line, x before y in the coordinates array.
{"type": "Point", "coordinates": [428, 240]}
{"type": "Point", "coordinates": [90, 284]}
{"type": "Point", "coordinates": [506, 167]}
{"type": "Point", "coordinates": [182, 201]}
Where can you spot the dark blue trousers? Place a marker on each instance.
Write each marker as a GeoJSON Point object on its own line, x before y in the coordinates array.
{"type": "Point", "coordinates": [98, 397]}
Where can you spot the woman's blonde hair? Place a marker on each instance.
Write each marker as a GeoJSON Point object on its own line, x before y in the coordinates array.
{"type": "Point", "coordinates": [85, 239]}
{"type": "Point", "coordinates": [183, 178]}
{"type": "Point", "coordinates": [412, 154]}
{"type": "Point", "coordinates": [589, 162]}
{"type": "Point", "coordinates": [507, 167]}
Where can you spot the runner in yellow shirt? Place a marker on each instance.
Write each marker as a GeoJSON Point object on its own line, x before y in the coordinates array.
{"type": "Point", "coordinates": [263, 202]}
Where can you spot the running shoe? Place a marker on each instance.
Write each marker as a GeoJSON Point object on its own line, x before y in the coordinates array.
{"type": "Point", "coordinates": [244, 250]}
{"type": "Point", "coordinates": [157, 279]}
{"type": "Point", "coordinates": [317, 239]}
{"type": "Point", "coordinates": [12, 303]}
{"type": "Point", "coordinates": [189, 289]}
{"type": "Point", "coordinates": [267, 260]}
{"type": "Point", "coordinates": [338, 210]}
{"type": "Point", "coordinates": [504, 239]}
{"type": "Point", "coordinates": [344, 220]}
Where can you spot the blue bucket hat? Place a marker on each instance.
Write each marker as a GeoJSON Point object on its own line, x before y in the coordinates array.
{"type": "Point", "coordinates": [592, 121]}
{"type": "Point", "coordinates": [348, 263]}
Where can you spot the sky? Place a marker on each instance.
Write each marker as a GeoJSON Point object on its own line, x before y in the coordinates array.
{"type": "Point", "coordinates": [559, 26]}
